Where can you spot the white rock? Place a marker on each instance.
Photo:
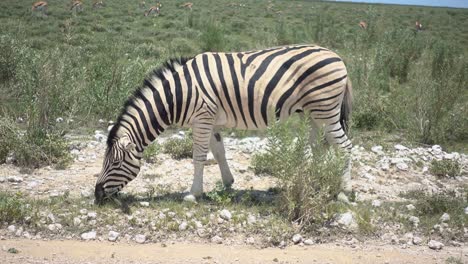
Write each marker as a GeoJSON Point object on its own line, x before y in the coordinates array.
{"type": "Point", "coordinates": [308, 242]}
{"type": "Point", "coordinates": [400, 147]}
{"type": "Point", "coordinates": [414, 220]}
{"type": "Point", "coordinates": [92, 215]}
{"type": "Point", "coordinates": [171, 214]}
{"type": "Point", "coordinates": [12, 228]}
{"type": "Point", "coordinates": [85, 194]}
{"type": "Point", "coordinates": [101, 121]}
{"type": "Point", "coordinates": [377, 150]}
{"type": "Point", "coordinates": [347, 220]}
{"type": "Point", "coordinates": [112, 236]}
{"type": "Point", "coordinates": [436, 149]}
{"type": "Point", "coordinates": [297, 238]}
{"type": "Point", "coordinates": [51, 218]}
{"type": "Point", "coordinates": [252, 220]}
{"type": "Point", "coordinates": [59, 120]}
{"type": "Point", "coordinates": [51, 227]}
{"type": "Point", "coordinates": [190, 198]}
{"type": "Point", "coordinates": [89, 235]}
{"type": "Point", "coordinates": [144, 204]}
{"type": "Point", "coordinates": [445, 217]}
{"type": "Point", "coordinates": [376, 203]}
{"type": "Point", "coordinates": [342, 198]}
{"type": "Point", "coordinates": [250, 240]}
{"type": "Point", "coordinates": [225, 214]}
{"type": "Point", "coordinates": [76, 221]}
{"type": "Point", "coordinates": [2, 179]}
{"type": "Point", "coordinates": [140, 239]}
{"type": "Point", "coordinates": [16, 179]}
{"type": "Point", "coordinates": [183, 226]}
{"type": "Point", "coordinates": [83, 211]}
{"type": "Point", "coordinates": [449, 156]}
{"type": "Point", "coordinates": [436, 245]}
{"type": "Point", "coordinates": [417, 240]}
{"type": "Point", "coordinates": [402, 166]}
{"type": "Point", "coordinates": [410, 207]}
{"type": "Point", "coordinates": [217, 239]}
{"type": "Point", "coordinates": [466, 210]}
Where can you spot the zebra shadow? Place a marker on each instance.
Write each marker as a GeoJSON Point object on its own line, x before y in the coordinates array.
{"type": "Point", "coordinates": [246, 197]}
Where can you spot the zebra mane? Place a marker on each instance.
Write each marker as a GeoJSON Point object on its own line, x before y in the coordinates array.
{"type": "Point", "coordinates": [171, 65]}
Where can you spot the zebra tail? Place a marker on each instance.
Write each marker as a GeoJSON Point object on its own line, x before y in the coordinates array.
{"type": "Point", "coordinates": [346, 106]}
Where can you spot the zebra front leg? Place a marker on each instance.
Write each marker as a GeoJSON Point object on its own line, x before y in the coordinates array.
{"type": "Point", "coordinates": [201, 141]}
{"type": "Point", "coordinates": [217, 147]}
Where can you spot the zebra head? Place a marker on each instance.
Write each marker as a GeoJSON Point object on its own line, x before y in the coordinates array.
{"type": "Point", "coordinates": [121, 165]}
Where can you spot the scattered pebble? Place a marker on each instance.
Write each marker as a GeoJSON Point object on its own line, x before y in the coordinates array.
{"type": "Point", "coordinates": [183, 226]}
{"type": "Point", "coordinates": [89, 235]}
{"type": "Point", "coordinates": [225, 214]}
{"type": "Point", "coordinates": [445, 217]}
{"type": "Point", "coordinates": [376, 203]}
{"type": "Point", "coordinates": [112, 236]}
{"type": "Point", "coordinates": [297, 238]}
{"type": "Point", "coordinates": [217, 239]}
{"type": "Point", "coordinates": [434, 244]}
{"type": "Point", "coordinates": [140, 239]}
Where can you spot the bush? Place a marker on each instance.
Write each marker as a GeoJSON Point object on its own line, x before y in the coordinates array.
{"type": "Point", "coordinates": [179, 148]}
{"type": "Point", "coordinates": [151, 152]}
{"type": "Point", "coordinates": [212, 38]}
{"type": "Point", "coordinates": [12, 209]}
{"type": "Point", "coordinates": [309, 178]}
{"type": "Point", "coordinates": [445, 168]}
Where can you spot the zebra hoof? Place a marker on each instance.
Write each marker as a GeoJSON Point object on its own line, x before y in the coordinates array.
{"type": "Point", "coordinates": [190, 198]}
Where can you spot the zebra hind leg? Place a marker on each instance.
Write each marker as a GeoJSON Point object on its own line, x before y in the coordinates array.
{"type": "Point", "coordinates": [335, 135]}
{"type": "Point", "coordinates": [217, 147]}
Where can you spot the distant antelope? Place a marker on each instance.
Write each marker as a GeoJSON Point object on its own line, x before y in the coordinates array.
{"type": "Point", "coordinates": [154, 10]}
{"type": "Point", "coordinates": [187, 5]}
{"type": "Point", "coordinates": [76, 6]}
{"type": "Point", "coordinates": [41, 7]}
{"type": "Point", "coordinates": [98, 4]}
{"type": "Point", "coordinates": [363, 24]}
{"type": "Point", "coordinates": [418, 26]}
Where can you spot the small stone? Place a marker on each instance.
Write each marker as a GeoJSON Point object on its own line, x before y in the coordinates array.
{"type": "Point", "coordinates": [140, 239]}
{"type": "Point", "coordinates": [410, 207]}
{"type": "Point", "coordinates": [347, 220]}
{"type": "Point", "coordinates": [89, 235]}
{"type": "Point", "coordinates": [417, 240]}
{"type": "Point", "coordinates": [12, 228]}
{"type": "Point", "coordinates": [400, 147]}
{"type": "Point", "coordinates": [51, 218]}
{"type": "Point", "coordinates": [250, 240]}
{"type": "Point", "coordinates": [59, 120]}
{"type": "Point", "coordinates": [112, 236]}
{"type": "Point", "coordinates": [414, 220]}
{"type": "Point", "coordinates": [144, 204]}
{"type": "Point", "coordinates": [445, 217]}
{"type": "Point", "coordinates": [376, 203]}
{"type": "Point", "coordinates": [171, 214]}
{"type": "Point", "coordinates": [76, 221]}
{"type": "Point", "coordinates": [217, 239]}
{"type": "Point", "coordinates": [449, 156]}
{"type": "Point", "coordinates": [252, 220]}
{"type": "Point", "coordinates": [297, 238]}
{"type": "Point", "coordinates": [435, 245]}
{"type": "Point", "coordinates": [92, 215]}
{"type": "Point", "coordinates": [402, 166]}
{"type": "Point", "coordinates": [190, 198]}
{"type": "Point", "coordinates": [225, 214]}
{"type": "Point", "coordinates": [342, 198]}
{"type": "Point", "coordinates": [51, 227]}
{"type": "Point", "coordinates": [466, 210]}
{"type": "Point", "coordinates": [85, 194]}
{"type": "Point", "coordinates": [83, 211]}
{"type": "Point", "coordinates": [377, 150]}
{"type": "Point", "coordinates": [220, 220]}
{"type": "Point", "coordinates": [183, 226]}
{"type": "Point", "coordinates": [308, 242]}
{"type": "Point", "coordinates": [15, 179]}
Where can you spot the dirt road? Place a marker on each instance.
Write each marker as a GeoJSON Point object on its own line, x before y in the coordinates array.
{"type": "Point", "coordinates": [72, 252]}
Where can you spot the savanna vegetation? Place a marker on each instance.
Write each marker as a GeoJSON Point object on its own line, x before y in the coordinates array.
{"type": "Point", "coordinates": [63, 72]}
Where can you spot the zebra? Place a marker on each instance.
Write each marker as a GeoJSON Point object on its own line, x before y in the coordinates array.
{"type": "Point", "coordinates": [244, 90]}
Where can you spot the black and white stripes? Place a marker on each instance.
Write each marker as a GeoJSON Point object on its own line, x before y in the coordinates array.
{"type": "Point", "coordinates": [245, 90]}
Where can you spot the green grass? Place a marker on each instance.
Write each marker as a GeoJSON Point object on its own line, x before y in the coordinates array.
{"type": "Point", "coordinates": [445, 168]}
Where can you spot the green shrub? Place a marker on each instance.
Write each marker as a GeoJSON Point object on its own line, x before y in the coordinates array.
{"type": "Point", "coordinates": [212, 38]}
{"type": "Point", "coordinates": [179, 148]}
{"type": "Point", "coordinates": [12, 209]}
{"type": "Point", "coordinates": [151, 152]}
{"type": "Point", "coordinates": [309, 178]}
{"type": "Point", "coordinates": [220, 194]}
{"type": "Point", "coordinates": [445, 168]}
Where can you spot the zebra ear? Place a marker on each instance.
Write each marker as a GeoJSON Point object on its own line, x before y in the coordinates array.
{"type": "Point", "coordinates": [127, 143]}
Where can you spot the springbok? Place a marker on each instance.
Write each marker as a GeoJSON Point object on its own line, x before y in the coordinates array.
{"type": "Point", "coordinates": [363, 24]}
{"type": "Point", "coordinates": [41, 7]}
{"type": "Point", "coordinates": [418, 26]}
{"type": "Point", "coordinates": [98, 4]}
{"type": "Point", "coordinates": [76, 6]}
{"type": "Point", "coordinates": [154, 10]}
{"type": "Point", "coordinates": [187, 5]}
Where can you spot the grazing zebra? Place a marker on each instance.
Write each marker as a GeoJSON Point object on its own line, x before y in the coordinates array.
{"type": "Point", "coordinates": [41, 7]}
{"type": "Point", "coordinates": [154, 10]}
{"type": "Point", "coordinates": [245, 90]}
{"type": "Point", "coordinates": [76, 6]}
